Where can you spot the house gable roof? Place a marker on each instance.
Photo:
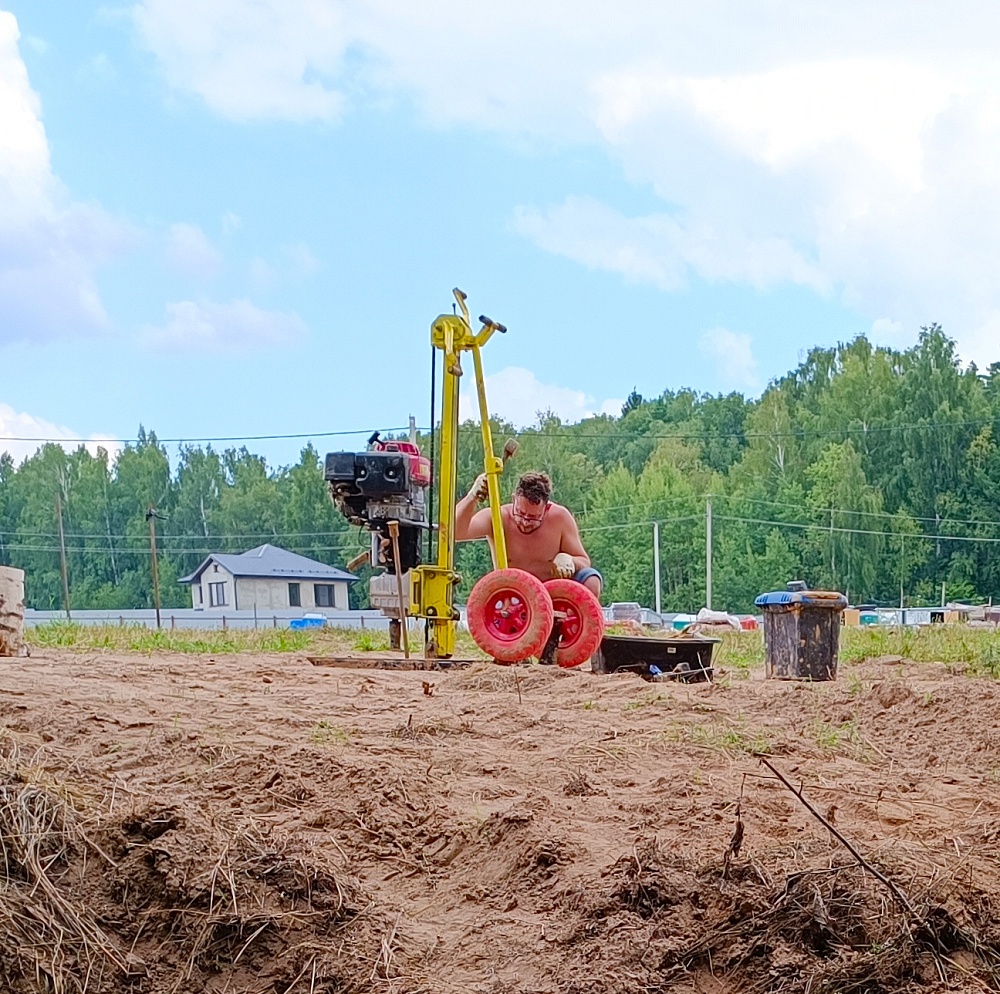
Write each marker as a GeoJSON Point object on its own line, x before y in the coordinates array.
{"type": "Point", "coordinates": [271, 562]}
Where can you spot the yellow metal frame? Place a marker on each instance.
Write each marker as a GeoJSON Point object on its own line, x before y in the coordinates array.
{"type": "Point", "coordinates": [432, 587]}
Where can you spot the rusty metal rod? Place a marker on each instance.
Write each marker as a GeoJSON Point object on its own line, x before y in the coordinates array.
{"type": "Point", "coordinates": [394, 535]}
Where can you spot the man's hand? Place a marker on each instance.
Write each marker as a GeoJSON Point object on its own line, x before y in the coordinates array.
{"type": "Point", "coordinates": [480, 489]}
{"type": "Point", "coordinates": [564, 566]}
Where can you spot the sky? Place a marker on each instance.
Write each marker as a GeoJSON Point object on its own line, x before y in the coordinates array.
{"type": "Point", "coordinates": [226, 219]}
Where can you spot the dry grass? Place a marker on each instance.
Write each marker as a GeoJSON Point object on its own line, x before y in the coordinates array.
{"type": "Point", "coordinates": [174, 901]}
{"type": "Point", "coordinates": [43, 933]}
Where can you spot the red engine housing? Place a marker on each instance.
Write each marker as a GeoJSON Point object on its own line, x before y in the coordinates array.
{"type": "Point", "coordinates": [420, 465]}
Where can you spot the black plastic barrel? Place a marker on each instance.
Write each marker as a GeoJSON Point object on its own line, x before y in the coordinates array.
{"type": "Point", "coordinates": [801, 632]}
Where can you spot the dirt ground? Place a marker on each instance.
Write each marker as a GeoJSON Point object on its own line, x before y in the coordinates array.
{"type": "Point", "coordinates": [257, 823]}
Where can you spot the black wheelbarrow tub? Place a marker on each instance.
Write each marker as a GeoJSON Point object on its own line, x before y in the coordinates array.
{"type": "Point", "coordinates": [686, 659]}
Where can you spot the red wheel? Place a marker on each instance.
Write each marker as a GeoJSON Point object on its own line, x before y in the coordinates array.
{"type": "Point", "coordinates": [510, 615]}
{"type": "Point", "coordinates": [583, 628]}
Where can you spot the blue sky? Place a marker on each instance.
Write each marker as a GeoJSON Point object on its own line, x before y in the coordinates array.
{"type": "Point", "coordinates": [239, 217]}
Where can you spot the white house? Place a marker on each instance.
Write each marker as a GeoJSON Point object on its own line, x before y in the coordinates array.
{"type": "Point", "coordinates": [267, 578]}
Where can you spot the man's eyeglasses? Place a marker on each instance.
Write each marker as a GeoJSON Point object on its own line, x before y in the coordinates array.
{"type": "Point", "coordinates": [531, 519]}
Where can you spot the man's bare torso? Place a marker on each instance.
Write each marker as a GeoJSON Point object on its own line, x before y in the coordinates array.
{"type": "Point", "coordinates": [534, 552]}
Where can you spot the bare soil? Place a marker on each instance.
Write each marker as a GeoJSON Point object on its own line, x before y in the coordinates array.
{"type": "Point", "coordinates": [256, 823]}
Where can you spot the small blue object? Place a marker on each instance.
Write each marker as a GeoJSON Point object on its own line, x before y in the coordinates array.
{"type": "Point", "coordinates": [307, 623]}
{"type": "Point", "coordinates": [654, 670]}
{"type": "Point", "coordinates": [806, 598]}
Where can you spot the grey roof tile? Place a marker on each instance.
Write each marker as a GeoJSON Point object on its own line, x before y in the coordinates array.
{"type": "Point", "coordinates": [269, 561]}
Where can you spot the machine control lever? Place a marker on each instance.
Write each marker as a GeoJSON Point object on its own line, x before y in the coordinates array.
{"type": "Point", "coordinates": [502, 328]}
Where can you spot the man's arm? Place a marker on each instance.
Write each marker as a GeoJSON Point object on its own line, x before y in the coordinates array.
{"type": "Point", "coordinates": [470, 523]}
{"type": "Point", "coordinates": [571, 543]}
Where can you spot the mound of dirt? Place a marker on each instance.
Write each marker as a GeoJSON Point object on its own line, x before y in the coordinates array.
{"type": "Point", "coordinates": [256, 824]}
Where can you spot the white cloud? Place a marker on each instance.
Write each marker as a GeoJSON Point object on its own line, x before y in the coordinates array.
{"type": "Point", "coordinates": [239, 326]}
{"type": "Point", "coordinates": [250, 58]}
{"type": "Point", "coordinates": [516, 395]}
{"type": "Point", "coordinates": [856, 161]}
{"type": "Point", "coordinates": [731, 353]}
{"type": "Point", "coordinates": [885, 331]}
{"type": "Point", "coordinates": [21, 435]}
{"type": "Point", "coordinates": [661, 250]}
{"type": "Point", "coordinates": [49, 247]}
{"type": "Point", "coordinates": [190, 251]}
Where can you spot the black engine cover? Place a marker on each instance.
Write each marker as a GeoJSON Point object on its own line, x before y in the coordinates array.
{"type": "Point", "coordinates": [370, 474]}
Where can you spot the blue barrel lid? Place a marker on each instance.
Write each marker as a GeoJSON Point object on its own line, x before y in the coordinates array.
{"type": "Point", "coordinates": [798, 594]}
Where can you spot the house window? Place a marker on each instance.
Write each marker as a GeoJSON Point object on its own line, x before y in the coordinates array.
{"type": "Point", "coordinates": [294, 595]}
{"type": "Point", "coordinates": [324, 594]}
{"type": "Point", "coordinates": [201, 594]}
{"type": "Point", "coordinates": [217, 594]}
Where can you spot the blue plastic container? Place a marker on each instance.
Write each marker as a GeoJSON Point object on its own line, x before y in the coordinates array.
{"type": "Point", "coordinates": [307, 623]}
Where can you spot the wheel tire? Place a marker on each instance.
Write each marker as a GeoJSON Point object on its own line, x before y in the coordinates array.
{"type": "Point", "coordinates": [583, 629]}
{"type": "Point", "coordinates": [510, 615]}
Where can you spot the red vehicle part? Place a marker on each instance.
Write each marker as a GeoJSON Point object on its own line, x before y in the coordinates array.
{"type": "Point", "coordinates": [510, 615]}
{"type": "Point", "coordinates": [420, 466]}
{"type": "Point", "coordinates": [583, 627]}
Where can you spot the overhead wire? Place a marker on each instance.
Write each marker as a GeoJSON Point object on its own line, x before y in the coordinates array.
{"type": "Point", "coordinates": [812, 526]}
{"type": "Point", "coordinates": [567, 431]}
{"type": "Point", "coordinates": [204, 438]}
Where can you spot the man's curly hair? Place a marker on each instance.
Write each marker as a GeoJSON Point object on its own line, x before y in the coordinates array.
{"type": "Point", "coordinates": [534, 487]}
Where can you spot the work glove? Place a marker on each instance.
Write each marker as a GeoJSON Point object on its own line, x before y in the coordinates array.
{"type": "Point", "coordinates": [480, 489]}
{"type": "Point", "coordinates": [564, 566]}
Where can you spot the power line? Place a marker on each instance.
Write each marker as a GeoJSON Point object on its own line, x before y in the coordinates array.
{"type": "Point", "coordinates": [583, 514]}
{"type": "Point", "coordinates": [567, 432]}
{"type": "Point", "coordinates": [205, 438]}
{"type": "Point", "coordinates": [180, 536]}
{"type": "Point", "coordinates": [711, 436]}
{"type": "Point", "coordinates": [139, 551]}
{"type": "Point", "coordinates": [846, 510]}
{"type": "Point", "coordinates": [646, 503]}
{"type": "Point", "coordinates": [861, 531]}
{"type": "Point", "coordinates": [645, 524]}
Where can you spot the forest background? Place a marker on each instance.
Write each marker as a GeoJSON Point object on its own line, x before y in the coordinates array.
{"type": "Point", "coordinates": [867, 470]}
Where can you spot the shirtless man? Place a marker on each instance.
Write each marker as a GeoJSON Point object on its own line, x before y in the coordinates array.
{"type": "Point", "coordinates": [542, 537]}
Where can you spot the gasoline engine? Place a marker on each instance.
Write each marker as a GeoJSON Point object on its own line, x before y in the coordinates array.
{"type": "Point", "coordinates": [388, 482]}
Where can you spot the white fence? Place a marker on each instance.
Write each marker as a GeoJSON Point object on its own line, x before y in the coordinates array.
{"type": "Point", "coordinates": [171, 618]}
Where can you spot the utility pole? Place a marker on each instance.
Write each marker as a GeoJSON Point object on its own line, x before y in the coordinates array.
{"type": "Point", "coordinates": [656, 563]}
{"type": "Point", "coordinates": [151, 515]}
{"type": "Point", "coordinates": [708, 553]}
{"type": "Point", "coordinates": [62, 557]}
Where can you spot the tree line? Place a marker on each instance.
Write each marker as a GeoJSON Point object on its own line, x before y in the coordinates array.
{"type": "Point", "coordinates": [865, 469]}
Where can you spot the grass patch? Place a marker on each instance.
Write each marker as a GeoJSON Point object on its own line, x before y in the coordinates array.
{"type": "Point", "coordinates": [323, 733]}
{"type": "Point", "coordinates": [369, 640]}
{"type": "Point", "coordinates": [138, 638]}
{"type": "Point", "coordinates": [728, 738]}
{"type": "Point", "coordinates": [977, 648]}
{"type": "Point", "coordinates": [740, 652]}
{"type": "Point", "coordinates": [642, 702]}
{"type": "Point", "coordinates": [833, 738]}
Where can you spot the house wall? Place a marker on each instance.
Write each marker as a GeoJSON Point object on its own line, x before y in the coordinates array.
{"type": "Point", "coordinates": [214, 574]}
{"type": "Point", "coordinates": [271, 594]}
